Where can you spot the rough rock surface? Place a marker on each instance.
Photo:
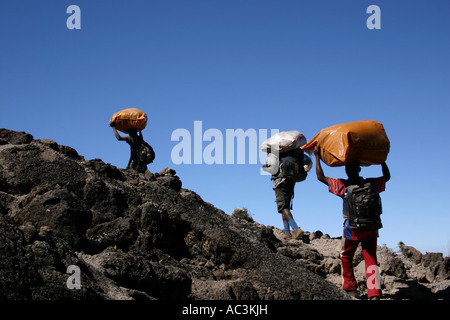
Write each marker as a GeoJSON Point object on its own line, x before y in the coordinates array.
{"type": "Point", "coordinates": [143, 237]}
{"type": "Point", "coordinates": [132, 236]}
{"type": "Point", "coordinates": [407, 275]}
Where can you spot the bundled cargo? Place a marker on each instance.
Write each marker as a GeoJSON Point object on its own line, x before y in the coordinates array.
{"type": "Point", "coordinates": [283, 141]}
{"type": "Point", "coordinates": [131, 118]}
{"type": "Point", "coordinates": [364, 141]}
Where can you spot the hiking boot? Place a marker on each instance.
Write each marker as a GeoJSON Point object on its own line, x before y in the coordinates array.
{"type": "Point", "coordinates": [297, 234]}
{"type": "Point", "coordinates": [286, 236]}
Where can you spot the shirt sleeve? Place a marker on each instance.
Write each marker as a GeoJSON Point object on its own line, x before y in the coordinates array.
{"type": "Point", "coordinates": [380, 184]}
{"type": "Point", "coordinates": [336, 186]}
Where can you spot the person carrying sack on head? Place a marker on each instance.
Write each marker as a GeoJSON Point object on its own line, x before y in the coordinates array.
{"type": "Point", "coordinates": [287, 164]}
{"type": "Point", "coordinates": [361, 210]}
{"type": "Point", "coordinates": [287, 169]}
{"type": "Point", "coordinates": [132, 121]}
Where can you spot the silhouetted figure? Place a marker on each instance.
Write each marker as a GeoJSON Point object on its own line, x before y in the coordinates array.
{"type": "Point", "coordinates": [136, 142]}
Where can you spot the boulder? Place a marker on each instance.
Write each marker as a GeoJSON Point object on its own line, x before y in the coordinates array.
{"type": "Point", "coordinates": [411, 253]}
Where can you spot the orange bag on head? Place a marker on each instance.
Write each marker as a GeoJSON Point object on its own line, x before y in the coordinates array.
{"type": "Point", "coordinates": [131, 118]}
{"type": "Point", "coordinates": [364, 141]}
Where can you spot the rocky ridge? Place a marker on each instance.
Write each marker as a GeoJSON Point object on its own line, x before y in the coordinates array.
{"type": "Point", "coordinates": [143, 237]}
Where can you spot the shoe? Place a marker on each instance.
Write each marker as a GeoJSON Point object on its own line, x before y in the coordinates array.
{"type": "Point", "coordinates": [286, 236]}
{"type": "Point", "coordinates": [297, 234]}
{"type": "Point", "coordinates": [352, 293]}
{"type": "Point", "coordinates": [375, 298]}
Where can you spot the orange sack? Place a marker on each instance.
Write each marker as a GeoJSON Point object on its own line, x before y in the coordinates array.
{"type": "Point", "coordinates": [341, 144]}
{"type": "Point", "coordinates": [131, 118]}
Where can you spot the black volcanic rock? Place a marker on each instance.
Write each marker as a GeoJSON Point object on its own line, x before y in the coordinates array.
{"type": "Point", "coordinates": [143, 237]}
{"type": "Point", "coordinates": [132, 236]}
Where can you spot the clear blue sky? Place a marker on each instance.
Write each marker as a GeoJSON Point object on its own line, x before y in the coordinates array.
{"type": "Point", "coordinates": [250, 64]}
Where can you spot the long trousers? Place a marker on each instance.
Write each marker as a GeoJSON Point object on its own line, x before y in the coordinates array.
{"type": "Point", "coordinates": [369, 248]}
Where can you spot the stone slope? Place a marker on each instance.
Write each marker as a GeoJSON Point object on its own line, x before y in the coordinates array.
{"type": "Point", "coordinates": [132, 236]}
{"type": "Point", "coordinates": [143, 237]}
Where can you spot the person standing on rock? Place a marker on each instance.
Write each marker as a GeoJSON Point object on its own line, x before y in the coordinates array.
{"type": "Point", "coordinates": [136, 142]}
{"type": "Point", "coordinates": [361, 231]}
{"type": "Point", "coordinates": [283, 185]}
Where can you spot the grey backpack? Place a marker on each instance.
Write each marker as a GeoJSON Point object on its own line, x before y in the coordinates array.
{"type": "Point", "coordinates": [362, 206]}
{"type": "Point", "coordinates": [291, 166]}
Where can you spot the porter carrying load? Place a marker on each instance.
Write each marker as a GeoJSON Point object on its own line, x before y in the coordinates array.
{"type": "Point", "coordinates": [288, 165]}
{"type": "Point", "coordinates": [132, 121]}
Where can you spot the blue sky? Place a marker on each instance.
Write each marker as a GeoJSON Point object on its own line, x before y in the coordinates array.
{"type": "Point", "coordinates": [250, 64]}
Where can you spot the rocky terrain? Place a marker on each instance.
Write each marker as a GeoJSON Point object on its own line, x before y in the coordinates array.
{"type": "Point", "coordinates": [406, 275]}
{"type": "Point", "coordinates": [138, 236]}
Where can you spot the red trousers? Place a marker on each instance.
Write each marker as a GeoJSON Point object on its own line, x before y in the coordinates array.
{"type": "Point", "coordinates": [369, 247]}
